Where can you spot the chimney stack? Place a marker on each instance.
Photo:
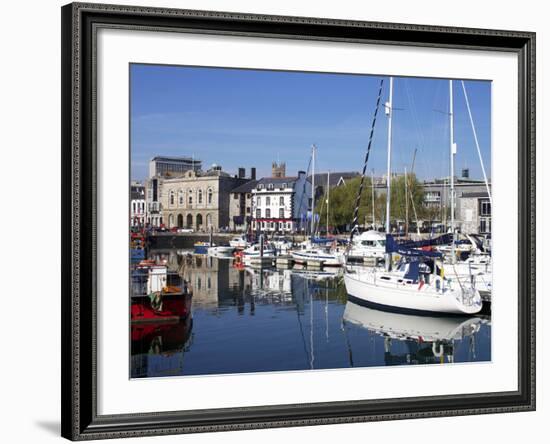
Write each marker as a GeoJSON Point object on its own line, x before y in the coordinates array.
{"type": "Point", "coordinates": [241, 173]}
{"type": "Point", "coordinates": [253, 173]}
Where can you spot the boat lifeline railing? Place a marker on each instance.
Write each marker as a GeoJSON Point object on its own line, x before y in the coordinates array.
{"type": "Point", "coordinates": [140, 279]}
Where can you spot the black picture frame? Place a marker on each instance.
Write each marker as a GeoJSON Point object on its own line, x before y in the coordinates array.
{"type": "Point", "coordinates": [79, 174]}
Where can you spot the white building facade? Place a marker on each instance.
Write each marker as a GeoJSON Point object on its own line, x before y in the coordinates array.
{"type": "Point", "coordinates": [281, 204]}
{"type": "Point", "coordinates": [137, 205]}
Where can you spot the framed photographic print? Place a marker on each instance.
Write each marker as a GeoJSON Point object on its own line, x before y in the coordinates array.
{"type": "Point", "coordinates": [278, 221]}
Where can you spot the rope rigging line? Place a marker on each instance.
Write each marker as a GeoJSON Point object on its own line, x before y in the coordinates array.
{"type": "Point", "coordinates": [354, 224]}
{"type": "Point", "coordinates": [476, 141]}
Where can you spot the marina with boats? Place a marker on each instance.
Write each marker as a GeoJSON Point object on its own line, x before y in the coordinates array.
{"type": "Point", "coordinates": [298, 295]}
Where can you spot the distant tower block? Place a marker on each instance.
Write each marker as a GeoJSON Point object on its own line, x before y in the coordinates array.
{"type": "Point", "coordinates": [278, 169]}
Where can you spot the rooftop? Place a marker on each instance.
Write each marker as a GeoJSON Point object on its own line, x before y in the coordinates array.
{"type": "Point", "coordinates": [476, 194]}
{"type": "Point", "coordinates": [289, 180]}
{"type": "Point", "coordinates": [245, 187]}
{"type": "Point", "coordinates": [335, 177]}
{"type": "Point", "coordinates": [175, 159]}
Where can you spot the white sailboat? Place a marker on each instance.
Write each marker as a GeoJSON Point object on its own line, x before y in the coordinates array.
{"type": "Point", "coordinates": [239, 242]}
{"type": "Point", "coordinates": [417, 284]}
{"type": "Point", "coordinates": [256, 251]}
{"type": "Point", "coordinates": [370, 244]}
{"type": "Point", "coordinates": [222, 251]}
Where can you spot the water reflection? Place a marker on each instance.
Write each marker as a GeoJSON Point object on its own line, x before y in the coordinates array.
{"type": "Point", "coordinates": [253, 320]}
{"type": "Point", "coordinates": [427, 339]}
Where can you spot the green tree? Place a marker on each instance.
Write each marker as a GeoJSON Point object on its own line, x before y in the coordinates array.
{"type": "Point", "coordinates": [406, 192]}
{"type": "Point", "coordinates": [342, 202]}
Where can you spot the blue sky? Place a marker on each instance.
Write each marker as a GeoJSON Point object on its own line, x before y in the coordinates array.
{"type": "Point", "coordinates": [236, 117]}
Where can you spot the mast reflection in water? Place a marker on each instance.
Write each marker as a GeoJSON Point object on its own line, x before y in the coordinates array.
{"type": "Point", "coordinates": [245, 320]}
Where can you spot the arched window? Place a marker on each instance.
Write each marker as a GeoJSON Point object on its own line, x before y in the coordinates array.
{"type": "Point", "coordinates": [190, 199]}
{"type": "Point", "coordinates": [199, 197]}
{"type": "Point", "coordinates": [208, 220]}
{"type": "Point", "coordinates": [171, 198]}
{"type": "Point", "coordinates": [210, 196]}
{"type": "Point", "coordinates": [181, 197]}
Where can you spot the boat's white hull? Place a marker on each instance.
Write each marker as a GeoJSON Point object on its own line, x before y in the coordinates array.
{"type": "Point", "coordinates": [240, 244]}
{"type": "Point", "coordinates": [302, 257]}
{"type": "Point", "coordinates": [409, 298]}
{"type": "Point", "coordinates": [367, 252]}
{"type": "Point", "coordinates": [221, 251]}
{"type": "Point", "coordinates": [267, 253]}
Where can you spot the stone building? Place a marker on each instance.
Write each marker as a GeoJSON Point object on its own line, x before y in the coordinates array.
{"type": "Point", "coordinates": [197, 200]}
{"type": "Point", "coordinates": [475, 212]}
{"type": "Point", "coordinates": [240, 206]}
{"type": "Point", "coordinates": [278, 169]}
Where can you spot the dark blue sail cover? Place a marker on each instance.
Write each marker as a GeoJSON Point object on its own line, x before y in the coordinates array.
{"type": "Point", "coordinates": [441, 240]}
{"type": "Point", "coordinates": [409, 248]}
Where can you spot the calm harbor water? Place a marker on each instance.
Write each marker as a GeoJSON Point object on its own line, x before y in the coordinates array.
{"type": "Point", "coordinates": [250, 320]}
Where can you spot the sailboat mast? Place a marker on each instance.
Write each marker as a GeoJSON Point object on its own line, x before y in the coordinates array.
{"type": "Point", "coordinates": [372, 188]}
{"type": "Point", "coordinates": [312, 190]}
{"type": "Point", "coordinates": [388, 180]}
{"type": "Point", "coordinates": [389, 112]}
{"type": "Point", "coordinates": [328, 196]}
{"type": "Point", "coordinates": [406, 204]}
{"type": "Point", "coordinates": [452, 172]}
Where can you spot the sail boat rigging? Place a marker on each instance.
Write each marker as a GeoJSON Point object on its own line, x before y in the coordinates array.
{"type": "Point", "coordinates": [418, 283]}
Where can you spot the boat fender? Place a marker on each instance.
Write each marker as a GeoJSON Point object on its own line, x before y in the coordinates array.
{"type": "Point", "coordinates": [437, 354]}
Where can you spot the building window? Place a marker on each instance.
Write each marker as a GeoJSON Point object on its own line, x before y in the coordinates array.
{"type": "Point", "coordinates": [484, 208]}
{"type": "Point", "coordinates": [267, 213]}
{"type": "Point", "coordinates": [288, 225]}
{"type": "Point", "coordinates": [267, 201]}
{"type": "Point", "coordinates": [133, 207]}
{"type": "Point", "coordinates": [270, 186]}
{"type": "Point", "coordinates": [281, 200]}
{"type": "Point", "coordinates": [485, 225]}
{"type": "Point", "coordinates": [171, 198]}
{"type": "Point", "coordinates": [281, 213]}
{"type": "Point", "coordinates": [272, 225]}
{"type": "Point", "coordinates": [190, 198]}
{"type": "Point", "coordinates": [209, 196]}
{"type": "Point", "coordinates": [283, 186]}
{"type": "Point", "coordinates": [259, 201]}
{"type": "Point", "coordinates": [247, 210]}
{"type": "Point", "coordinates": [235, 196]}
{"type": "Point", "coordinates": [199, 198]}
{"type": "Point", "coordinates": [258, 213]}
{"type": "Point", "coordinates": [180, 197]}
{"type": "Point", "coordinates": [248, 195]}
